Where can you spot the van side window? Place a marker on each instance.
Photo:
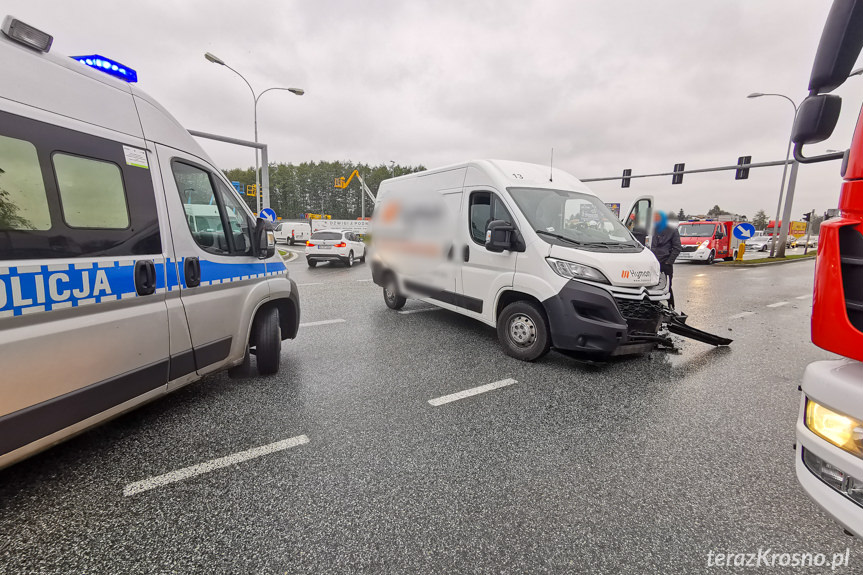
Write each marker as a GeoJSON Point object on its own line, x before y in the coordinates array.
{"type": "Point", "coordinates": [238, 221]}
{"type": "Point", "coordinates": [485, 207]}
{"type": "Point", "coordinates": [23, 201]}
{"type": "Point", "coordinates": [201, 208]}
{"type": "Point", "coordinates": [91, 193]}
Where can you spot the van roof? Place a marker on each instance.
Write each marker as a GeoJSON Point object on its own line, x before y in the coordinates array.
{"type": "Point", "coordinates": [510, 173]}
{"type": "Point", "coordinates": [59, 85]}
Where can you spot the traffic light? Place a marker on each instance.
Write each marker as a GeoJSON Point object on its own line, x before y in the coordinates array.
{"type": "Point", "coordinates": [624, 181]}
{"type": "Point", "coordinates": [742, 173]}
{"type": "Point", "coordinates": [806, 217]}
{"type": "Point", "coordinates": [677, 177]}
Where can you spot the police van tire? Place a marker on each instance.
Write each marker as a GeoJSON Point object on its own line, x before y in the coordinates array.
{"type": "Point", "coordinates": [268, 341]}
{"type": "Point", "coordinates": [391, 294]}
{"type": "Point", "coordinates": [523, 331]}
{"type": "Point", "coordinates": [312, 263]}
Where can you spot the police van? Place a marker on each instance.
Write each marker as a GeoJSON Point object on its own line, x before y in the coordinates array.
{"type": "Point", "coordinates": [523, 248]}
{"type": "Point", "coordinates": [129, 266]}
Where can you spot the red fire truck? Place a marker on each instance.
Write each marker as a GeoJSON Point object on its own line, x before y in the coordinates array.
{"type": "Point", "coordinates": [707, 240]}
{"type": "Point", "coordinates": [829, 454]}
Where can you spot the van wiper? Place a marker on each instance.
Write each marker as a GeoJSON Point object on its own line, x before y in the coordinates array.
{"type": "Point", "coordinates": [560, 237]}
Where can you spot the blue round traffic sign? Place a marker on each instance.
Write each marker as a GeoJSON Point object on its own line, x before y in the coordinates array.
{"type": "Point", "coordinates": [744, 231]}
{"type": "Point", "coordinates": [268, 214]}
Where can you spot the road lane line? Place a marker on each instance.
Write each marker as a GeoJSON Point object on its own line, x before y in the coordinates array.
{"type": "Point", "coordinates": [368, 280]}
{"type": "Point", "coordinates": [778, 304]}
{"type": "Point", "coordinates": [311, 284]}
{"type": "Point", "coordinates": [742, 314]}
{"type": "Point", "coordinates": [471, 392]}
{"type": "Point", "coordinates": [807, 296]}
{"type": "Point", "coordinates": [322, 322]}
{"type": "Point", "coordinates": [211, 465]}
{"type": "Point", "coordinates": [407, 311]}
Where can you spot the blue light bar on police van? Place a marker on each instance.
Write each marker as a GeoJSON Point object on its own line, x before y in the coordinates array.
{"type": "Point", "coordinates": [109, 66]}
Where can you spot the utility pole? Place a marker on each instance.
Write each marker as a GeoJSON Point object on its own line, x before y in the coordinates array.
{"type": "Point", "coordinates": [786, 214]}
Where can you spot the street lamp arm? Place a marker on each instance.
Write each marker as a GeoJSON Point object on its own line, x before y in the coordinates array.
{"type": "Point", "coordinates": [793, 103]}
{"type": "Point", "coordinates": [252, 90]}
{"type": "Point", "coordinates": [296, 91]}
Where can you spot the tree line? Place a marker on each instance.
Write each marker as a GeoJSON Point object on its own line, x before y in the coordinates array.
{"type": "Point", "coordinates": [297, 189]}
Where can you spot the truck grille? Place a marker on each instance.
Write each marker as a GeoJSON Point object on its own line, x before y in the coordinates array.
{"type": "Point", "coordinates": [851, 251]}
{"type": "Point", "coordinates": [689, 248]}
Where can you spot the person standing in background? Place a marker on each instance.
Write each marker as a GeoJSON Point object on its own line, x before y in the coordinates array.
{"type": "Point", "coordinates": [665, 245]}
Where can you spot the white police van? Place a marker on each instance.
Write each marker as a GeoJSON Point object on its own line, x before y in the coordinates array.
{"type": "Point", "coordinates": [528, 250]}
{"type": "Point", "coordinates": [128, 264]}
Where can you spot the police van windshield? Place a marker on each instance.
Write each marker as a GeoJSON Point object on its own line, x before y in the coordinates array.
{"type": "Point", "coordinates": [696, 230]}
{"type": "Point", "coordinates": [576, 218]}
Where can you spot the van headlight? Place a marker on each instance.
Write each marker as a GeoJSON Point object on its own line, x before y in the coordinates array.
{"type": "Point", "coordinates": [840, 430]}
{"type": "Point", "coordinates": [704, 245]}
{"type": "Point", "coordinates": [571, 270]}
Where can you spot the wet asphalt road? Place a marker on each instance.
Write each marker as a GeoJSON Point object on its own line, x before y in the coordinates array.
{"type": "Point", "coordinates": [642, 465]}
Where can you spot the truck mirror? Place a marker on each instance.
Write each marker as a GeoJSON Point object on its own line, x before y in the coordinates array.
{"type": "Point", "coordinates": [841, 42]}
{"type": "Point", "coordinates": [501, 235]}
{"type": "Point", "coordinates": [816, 119]}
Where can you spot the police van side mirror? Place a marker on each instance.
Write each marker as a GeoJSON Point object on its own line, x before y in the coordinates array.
{"type": "Point", "coordinates": [264, 241]}
{"type": "Point", "coordinates": [501, 235]}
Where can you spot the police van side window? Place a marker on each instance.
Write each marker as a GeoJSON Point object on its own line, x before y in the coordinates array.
{"type": "Point", "coordinates": [23, 200]}
{"type": "Point", "coordinates": [91, 193]}
{"type": "Point", "coordinates": [201, 208]}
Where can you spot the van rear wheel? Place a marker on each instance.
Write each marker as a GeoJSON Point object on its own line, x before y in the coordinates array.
{"type": "Point", "coordinates": [523, 331]}
{"type": "Point", "coordinates": [391, 295]}
{"type": "Point", "coordinates": [267, 336]}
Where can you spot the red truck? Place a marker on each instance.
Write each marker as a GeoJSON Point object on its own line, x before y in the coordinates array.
{"type": "Point", "coordinates": [829, 451]}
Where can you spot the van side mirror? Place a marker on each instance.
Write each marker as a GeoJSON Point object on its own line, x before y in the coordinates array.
{"type": "Point", "coordinates": [264, 241]}
{"type": "Point", "coordinates": [501, 235]}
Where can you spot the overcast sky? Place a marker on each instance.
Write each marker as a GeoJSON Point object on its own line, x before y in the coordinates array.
{"type": "Point", "coordinates": [609, 84]}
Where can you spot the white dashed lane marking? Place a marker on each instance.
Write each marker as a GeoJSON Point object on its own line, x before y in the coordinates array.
{"type": "Point", "coordinates": [322, 322]}
{"type": "Point", "coordinates": [311, 284]}
{"type": "Point", "coordinates": [778, 304]}
{"type": "Point", "coordinates": [211, 465]}
{"type": "Point", "coordinates": [807, 296]}
{"type": "Point", "coordinates": [471, 392]}
{"type": "Point", "coordinates": [407, 311]}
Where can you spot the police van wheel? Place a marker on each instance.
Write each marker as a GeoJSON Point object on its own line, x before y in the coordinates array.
{"type": "Point", "coordinates": [391, 295]}
{"type": "Point", "coordinates": [523, 331]}
{"type": "Point", "coordinates": [268, 341]}
{"type": "Point", "coordinates": [312, 263]}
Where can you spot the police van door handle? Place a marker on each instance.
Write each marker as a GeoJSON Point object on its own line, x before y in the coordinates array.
{"type": "Point", "coordinates": [145, 277]}
{"type": "Point", "coordinates": [466, 253]}
{"type": "Point", "coordinates": [192, 272]}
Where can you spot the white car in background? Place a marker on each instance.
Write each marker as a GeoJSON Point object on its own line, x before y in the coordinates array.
{"type": "Point", "coordinates": [335, 246]}
{"type": "Point", "coordinates": [293, 232]}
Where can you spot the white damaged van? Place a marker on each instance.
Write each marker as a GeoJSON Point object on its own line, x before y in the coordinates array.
{"type": "Point", "coordinates": [129, 266]}
{"type": "Point", "coordinates": [528, 250]}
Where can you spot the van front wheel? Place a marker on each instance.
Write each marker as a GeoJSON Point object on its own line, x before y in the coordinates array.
{"type": "Point", "coordinates": [268, 341]}
{"type": "Point", "coordinates": [523, 331]}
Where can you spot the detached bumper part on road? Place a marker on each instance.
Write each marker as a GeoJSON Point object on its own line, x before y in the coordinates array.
{"type": "Point", "coordinates": [830, 475]}
{"type": "Point", "coordinates": [588, 320]}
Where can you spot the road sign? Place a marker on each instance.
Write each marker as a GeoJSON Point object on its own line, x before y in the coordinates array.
{"type": "Point", "coordinates": [268, 214]}
{"type": "Point", "coordinates": [615, 209]}
{"type": "Point", "coordinates": [238, 186]}
{"type": "Point", "coordinates": [744, 231]}
{"type": "Point", "coordinates": [251, 190]}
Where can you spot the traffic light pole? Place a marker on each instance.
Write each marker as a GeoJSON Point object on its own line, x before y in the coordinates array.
{"type": "Point", "coordinates": [808, 232]}
{"type": "Point", "coordinates": [262, 194]}
{"type": "Point", "coordinates": [786, 214]}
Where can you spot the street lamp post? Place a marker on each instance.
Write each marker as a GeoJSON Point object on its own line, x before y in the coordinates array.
{"type": "Point", "coordinates": [296, 91]}
{"type": "Point", "coordinates": [782, 186]}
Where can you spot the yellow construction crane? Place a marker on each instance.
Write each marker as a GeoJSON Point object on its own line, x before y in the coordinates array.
{"type": "Point", "coordinates": [342, 183]}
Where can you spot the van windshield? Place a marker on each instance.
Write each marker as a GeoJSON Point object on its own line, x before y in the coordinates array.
{"type": "Point", "coordinates": [577, 218]}
{"type": "Point", "coordinates": [696, 230]}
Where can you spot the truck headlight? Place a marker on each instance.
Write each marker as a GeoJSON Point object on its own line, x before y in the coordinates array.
{"type": "Point", "coordinates": [704, 245]}
{"type": "Point", "coordinates": [840, 430]}
{"type": "Point", "coordinates": [572, 270]}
